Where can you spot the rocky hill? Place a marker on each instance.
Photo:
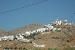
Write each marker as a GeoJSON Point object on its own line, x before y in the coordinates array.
{"type": "Point", "coordinates": [57, 39]}
{"type": "Point", "coordinates": [2, 32]}
{"type": "Point", "coordinates": [58, 34]}
{"type": "Point", "coordinates": [30, 27]}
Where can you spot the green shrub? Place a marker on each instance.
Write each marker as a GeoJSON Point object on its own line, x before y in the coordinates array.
{"type": "Point", "coordinates": [49, 48]}
{"type": "Point", "coordinates": [55, 48]}
{"type": "Point", "coordinates": [52, 48]}
{"type": "Point", "coordinates": [69, 48]}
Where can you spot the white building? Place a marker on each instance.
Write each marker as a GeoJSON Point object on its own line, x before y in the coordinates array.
{"type": "Point", "coordinates": [41, 29]}
{"type": "Point", "coordinates": [36, 45]}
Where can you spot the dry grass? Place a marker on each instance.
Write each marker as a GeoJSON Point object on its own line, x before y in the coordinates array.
{"type": "Point", "coordinates": [56, 39]}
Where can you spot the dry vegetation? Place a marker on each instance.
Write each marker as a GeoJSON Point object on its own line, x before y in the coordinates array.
{"type": "Point", "coordinates": [57, 40]}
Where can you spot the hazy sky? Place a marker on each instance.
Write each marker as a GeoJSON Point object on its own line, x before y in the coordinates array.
{"type": "Point", "coordinates": [45, 12]}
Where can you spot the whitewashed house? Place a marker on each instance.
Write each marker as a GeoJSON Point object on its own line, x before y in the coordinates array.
{"type": "Point", "coordinates": [59, 29]}
{"type": "Point", "coordinates": [33, 31]}
{"type": "Point", "coordinates": [36, 45]}
{"type": "Point", "coordinates": [4, 38]}
{"type": "Point", "coordinates": [58, 22]}
{"type": "Point", "coordinates": [19, 36]}
{"type": "Point", "coordinates": [24, 40]}
{"type": "Point", "coordinates": [41, 29]}
{"type": "Point", "coordinates": [54, 29]}
{"type": "Point", "coordinates": [28, 32]}
{"type": "Point", "coordinates": [11, 37]}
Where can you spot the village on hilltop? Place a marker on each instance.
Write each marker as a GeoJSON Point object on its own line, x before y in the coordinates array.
{"type": "Point", "coordinates": [26, 37]}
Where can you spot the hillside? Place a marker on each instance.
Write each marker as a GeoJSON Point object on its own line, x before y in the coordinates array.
{"type": "Point", "coordinates": [30, 27]}
{"type": "Point", "coordinates": [59, 34]}
{"type": "Point", "coordinates": [2, 32]}
{"type": "Point", "coordinates": [57, 39]}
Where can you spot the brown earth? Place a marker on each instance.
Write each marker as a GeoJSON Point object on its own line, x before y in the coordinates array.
{"type": "Point", "coordinates": [2, 32]}
{"type": "Point", "coordinates": [30, 27]}
{"type": "Point", "coordinates": [52, 39]}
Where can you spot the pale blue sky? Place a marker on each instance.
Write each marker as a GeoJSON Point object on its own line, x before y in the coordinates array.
{"type": "Point", "coordinates": [45, 12]}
